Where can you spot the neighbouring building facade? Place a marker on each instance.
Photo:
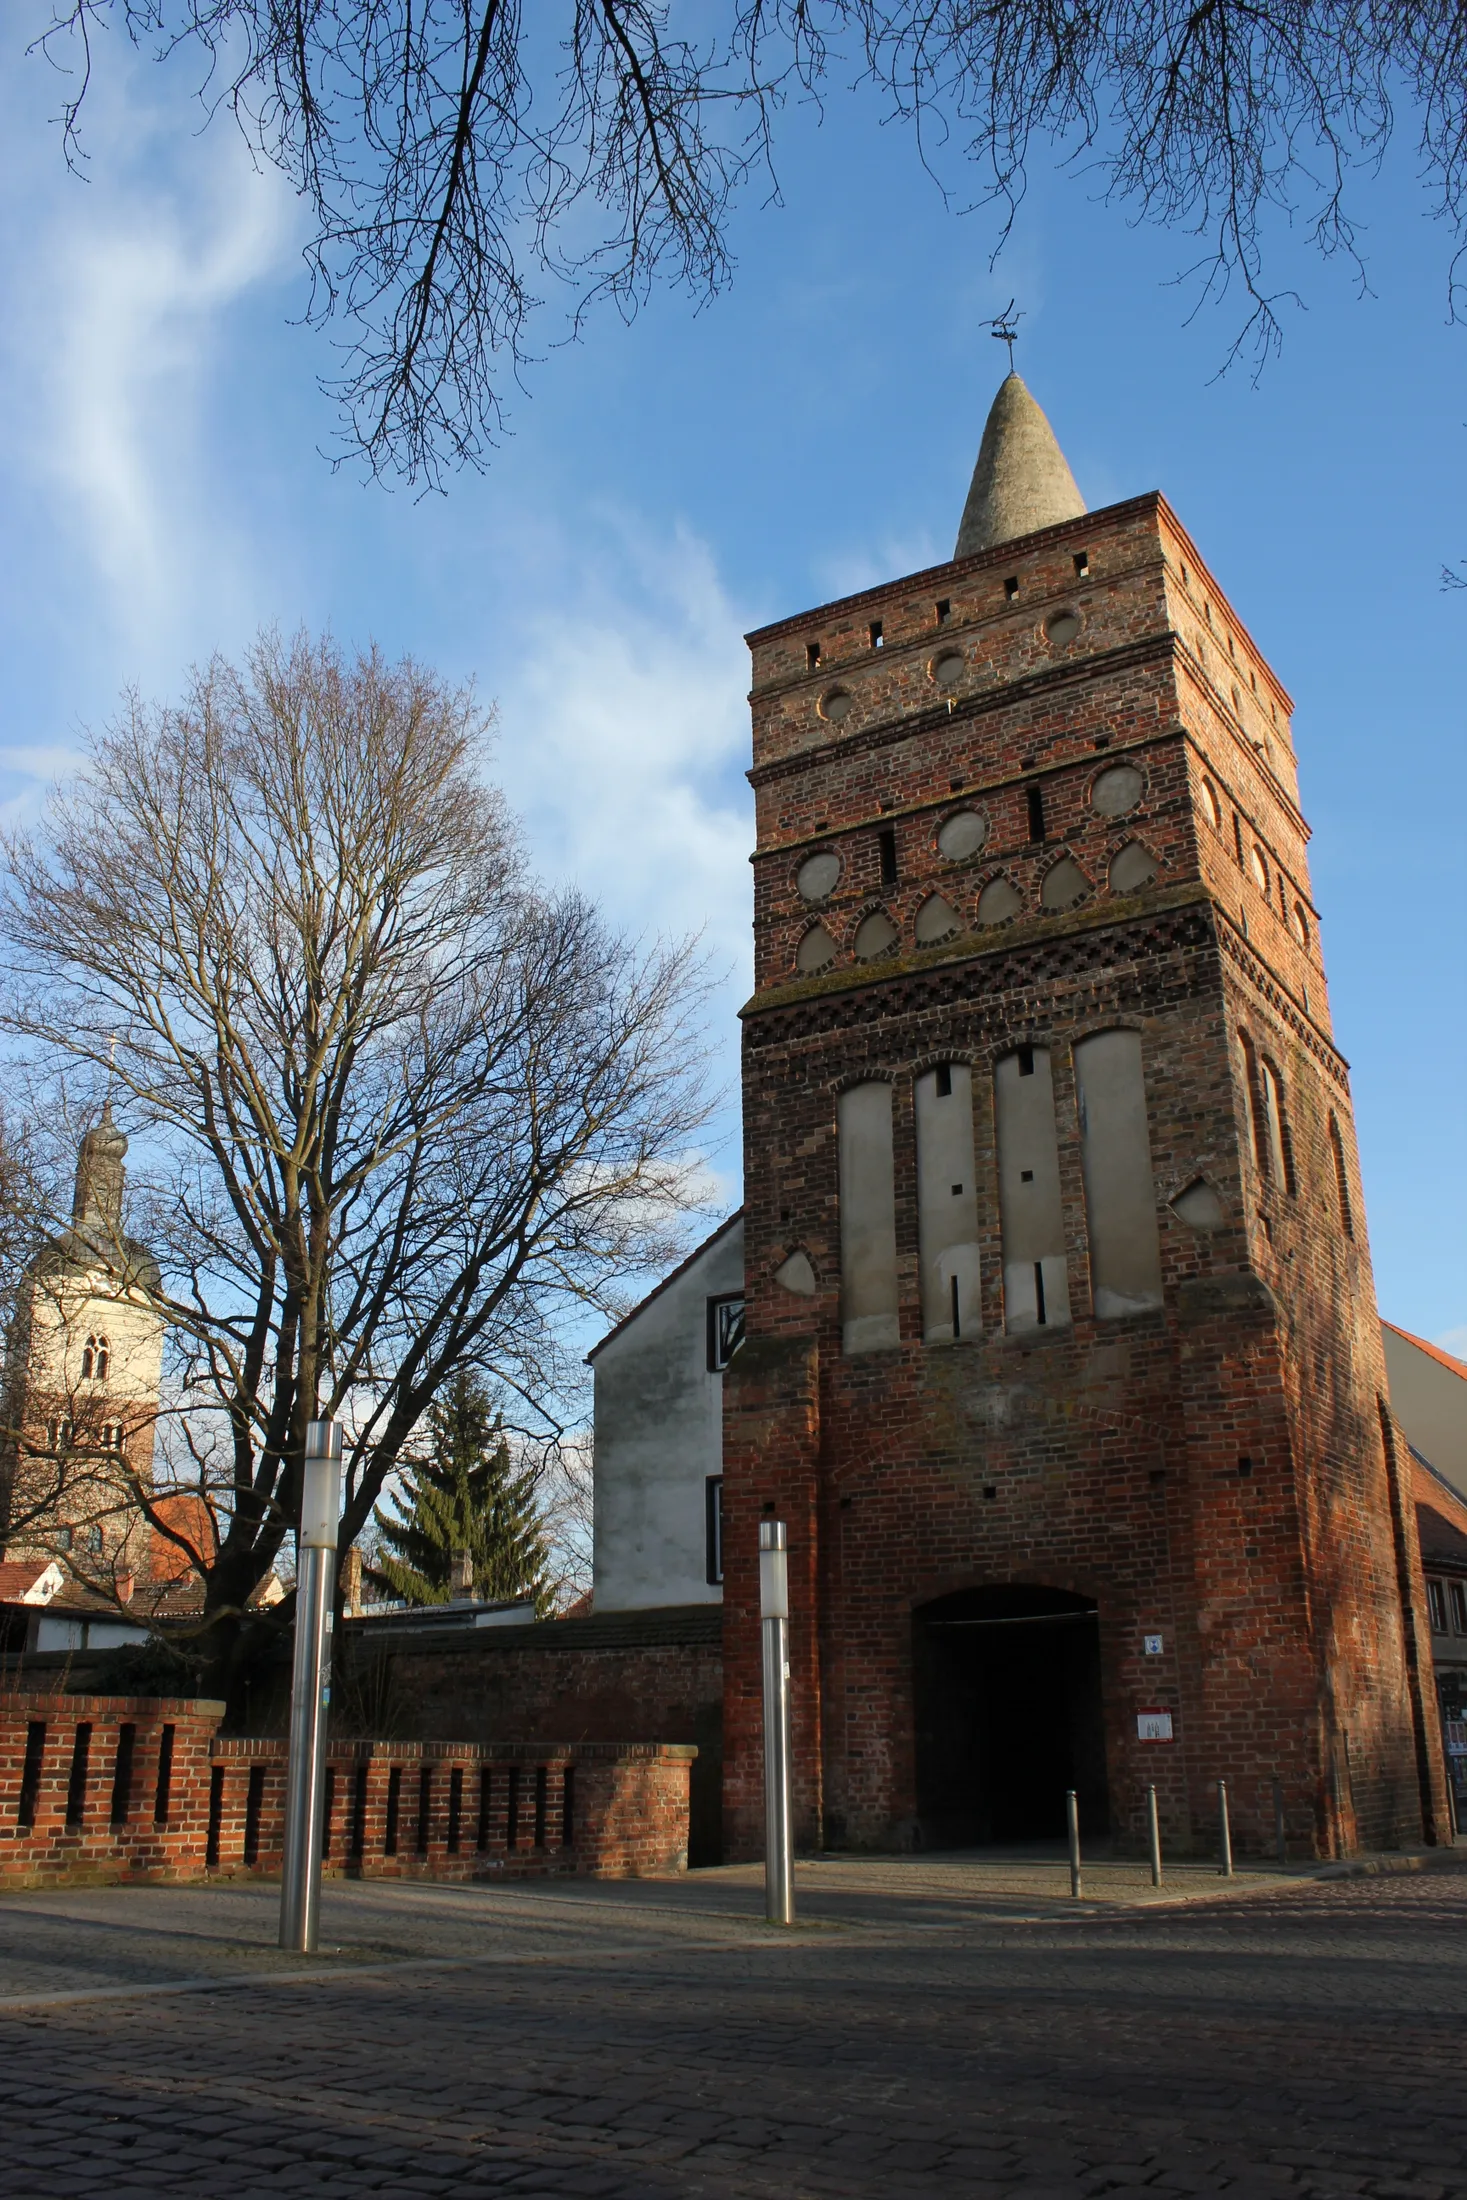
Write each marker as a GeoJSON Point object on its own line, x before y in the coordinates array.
{"type": "Point", "coordinates": [658, 1386]}
{"type": "Point", "coordinates": [1061, 1358]}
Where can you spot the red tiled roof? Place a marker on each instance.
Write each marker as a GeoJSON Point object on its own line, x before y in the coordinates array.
{"type": "Point", "coordinates": [19, 1575]}
{"type": "Point", "coordinates": [1433, 1351]}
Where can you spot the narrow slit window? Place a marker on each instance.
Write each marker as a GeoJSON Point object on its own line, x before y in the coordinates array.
{"type": "Point", "coordinates": [254, 1810]}
{"type": "Point", "coordinates": [568, 1807]}
{"type": "Point", "coordinates": [359, 1813]}
{"type": "Point", "coordinates": [713, 1528]}
{"type": "Point", "coordinates": [216, 1818]}
{"type": "Point", "coordinates": [393, 1812]}
{"type": "Point", "coordinates": [1120, 1187]}
{"type": "Point", "coordinates": [425, 1809]}
{"type": "Point", "coordinates": [30, 1777]}
{"type": "Point", "coordinates": [455, 1807]}
{"type": "Point", "coordinates": [512, 1810]}
{"type": "Point", "coordinates": [947, 1204]}
{"type": "Point", "coordinates": [812, 656]}
{"type": "Point", "coordinates": [1276, 1124]}
{"type": "Point", "coordinates": [1082, 565]}
{"type": "Point", "coordinates": [1342, 1177]}
{"type": "Point", "coordinates": [1238, 839]}
{"type": "Point", "coordinates": [1031, 1211]}
{"type": "Point", "coordinates": [542, 1784]}
{"type": "Point", "coordinates": [874, 630]}
{"type": "Point", "coordinates": [162, 1793]}
{"type": "Point", "coordinates": [1011, 587]}
{"type": "Point", "coordinates": [127, 1739]}
{"type": "Point", "coordinates": [944, 611]}
{"type": "Point", "coordinates": [886, 840]}
{"type": "Point", "coordinates": [76, 1786]}
{"type": "Point", "coordinates": [486, 1806]}
{"type": "Point", "coordinates": [1034, 796]}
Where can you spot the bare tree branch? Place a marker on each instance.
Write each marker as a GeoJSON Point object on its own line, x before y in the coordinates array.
{"type": "Point", "coordinates": [456, 154]}
{"type": "Point", "coordinates": [400, 1110]}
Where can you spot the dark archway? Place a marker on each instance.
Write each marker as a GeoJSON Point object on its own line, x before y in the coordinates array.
{"type": "Point", "coordinates": [1008, 1712]}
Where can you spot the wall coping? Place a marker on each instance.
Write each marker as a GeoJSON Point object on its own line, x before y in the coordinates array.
{"type": "Point", "coordinates": [60, 1703]}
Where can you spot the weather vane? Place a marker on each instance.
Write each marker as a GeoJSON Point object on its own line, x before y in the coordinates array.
{"type": "Point", "coordinates": [1004, 328]}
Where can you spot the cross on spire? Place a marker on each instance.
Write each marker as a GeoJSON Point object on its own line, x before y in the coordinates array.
{"type": "Point", "coordinates": [1004, 328]}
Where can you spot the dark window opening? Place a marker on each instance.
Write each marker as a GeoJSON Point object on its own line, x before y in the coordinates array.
{"type": "Point", "coordinates": [30, 1778]}
{"type": "Point", "coordinates": [1011, 587]}
{"type": "Point", "coordinates": [455, 1807]}
{"type": "Point", "coordinates": [512, 1810]}
{"type": "Point", "coordinates": [990, 1492]}
{"type": "Point", "coordinates": [812, 656]}
{"type": "Point", "coordinates": [1436, 1599]}
{"type": "Point", "coordinates": [165, 1777]}
{"type": "Point", "coordinates": [1245, 1466]}
{"type": "Point", "coordinates": [944, 611]}
{"type": "Point", "coordinates": [542, 1785]}
{"type": "Point", "coordinates": [886, 841]}
{"type": "Point", "coordinates": [1039, 1314]}
{"type": "Point", "coordinates": [956, 785]}
{"type": "Point", "coordinates": [1026, 1176]}
{"type": "Point", "coordinates": [127, 1741]}
{"type": "Point", "coordinates": [394, 1810]}
{"type": "Point", "coordinates": [725, 1330]}
{"type": "Point", "coordinates": [1102, 741]}
{"type": "Point", "coordinates": [874, 630]}
{"type": "Point", "coordinates": [216, 1817]}
{"type": "Point", "coordinates": [1026, 1061]}
{"type": "Point", "coordinates": [944, 1080]}
{"type": "Point", "coordinates": [1082, 565]}
{"type": "Point", "coordinates": [713, 1527]}
{"type": "Point", "coordinates": [76, 1786]}
{"type": "Point", "coordinates": [957, 1191]}
{"type": "Point", "coordinates": [957, 1315]}
{"type": "Point", "coordinates": [425, 1809]}
{"type": "Point", "coordinates": [254, 1811]}
{"type": "Point", "coordinates": [1034, 796]}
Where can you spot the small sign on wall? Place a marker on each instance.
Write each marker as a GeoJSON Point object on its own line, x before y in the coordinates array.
{"type": "Point", "coordinates": [1152, 1645]}
{"type": "Point", "coordinates": [1153, 1725]}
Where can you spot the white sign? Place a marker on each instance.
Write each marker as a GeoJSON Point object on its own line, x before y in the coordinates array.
{"type": "Point", "coordinates": [1153, 1726]}
{"type": "Point", "coordinates": [1152, 1645]}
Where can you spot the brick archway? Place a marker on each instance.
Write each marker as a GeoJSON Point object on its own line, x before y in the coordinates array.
{"type": "Point", "coordinates": [1007, 1705]}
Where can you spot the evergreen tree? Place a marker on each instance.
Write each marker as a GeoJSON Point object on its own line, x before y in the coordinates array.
{"type": "Point", "coordinates": [467, 1497]}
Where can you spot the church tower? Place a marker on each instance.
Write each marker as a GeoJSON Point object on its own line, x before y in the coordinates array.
{"type": "Point", "coordinates": [82, 1383]}
{"type": "Point", "coordinates": [1062, 1361]}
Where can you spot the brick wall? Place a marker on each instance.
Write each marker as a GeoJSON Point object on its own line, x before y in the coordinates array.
{"type": "Point", "coordinates": [110, 1788]}
{"type": "Point", "coordinates": [637, 1676]}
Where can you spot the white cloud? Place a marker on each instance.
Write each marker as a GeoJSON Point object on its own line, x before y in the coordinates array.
{"type": "Point", "coordinates": [119, 288]}
{"type": "Point", "coordinates": [623, 740]}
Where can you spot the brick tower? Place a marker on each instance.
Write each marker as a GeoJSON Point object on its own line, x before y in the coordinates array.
{"type": "Point", "coordinates": [1062, 1360]}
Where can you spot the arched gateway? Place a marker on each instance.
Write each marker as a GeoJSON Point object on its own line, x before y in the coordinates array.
{"type": "Point", "coordinates": [1007, 1704]}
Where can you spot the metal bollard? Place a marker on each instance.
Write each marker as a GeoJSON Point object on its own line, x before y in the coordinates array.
{"type": "Point", "coordinates": [1153, 1834]}
{"type": "Point", "coordinates": [1280, 1835]}
{"type": "Point", "coordinates": [310, 1691]}
{"type": "Point", "coordinates": [1224, 1832]}
{"type": "Point", "coordinates": [1072, 1824]}
{"type": "Point", "coordinates": [774, 1606]}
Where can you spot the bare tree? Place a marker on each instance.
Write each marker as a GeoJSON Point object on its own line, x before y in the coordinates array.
{"type": "Point", "coordinates": [456, 154]}
{"type": "Point", "coordinates": [401, 1111]}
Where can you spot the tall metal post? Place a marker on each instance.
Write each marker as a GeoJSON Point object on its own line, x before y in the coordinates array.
{"type": "Point", "coordinates": [310, 1687]}
{"type": "Point", "coordinates": [1153, 1835]}
{"type": "Point", "coordinates": [774, 1610]}
{"type": "Point", "coordinates": [1224, 1832]}
{"type": "Point", "coordinates": [1072, 1825]}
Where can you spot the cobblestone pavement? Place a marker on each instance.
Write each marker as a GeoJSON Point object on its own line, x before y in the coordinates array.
{"type": "Point", "coordinates": [660, 2041]}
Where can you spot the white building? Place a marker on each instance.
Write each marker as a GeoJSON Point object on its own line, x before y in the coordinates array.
{"type": "Point", "coordinates": [659, 1433]}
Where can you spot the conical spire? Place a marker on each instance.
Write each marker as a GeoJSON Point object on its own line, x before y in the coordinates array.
{"type": "Point", "coordinates": [1021, 481]}
{"type": "Point", "coordinates": [98, 1199]}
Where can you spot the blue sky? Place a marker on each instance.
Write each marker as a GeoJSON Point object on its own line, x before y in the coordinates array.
{"type": "Point", "coordinates": [670, 484]}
